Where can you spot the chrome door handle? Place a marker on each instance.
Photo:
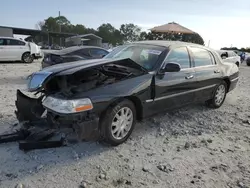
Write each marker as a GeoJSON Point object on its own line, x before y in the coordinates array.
{"type": "Point", "coordinates": [217, 71]}
{"type": "Point", "coordinates": [189, 77]}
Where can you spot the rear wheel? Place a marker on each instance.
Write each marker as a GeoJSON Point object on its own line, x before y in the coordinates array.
{"type": "Point", "coordinates": [118, 122]}
{"type": "Point", "coordinates": [218, 96]}
{"type": "Point", "coordinates": [27, 57]}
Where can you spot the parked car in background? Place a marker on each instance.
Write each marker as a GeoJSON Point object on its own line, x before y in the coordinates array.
{"type": "Point", "coordinates": [248, 61]}
{"type": "Point", "coordinates": [229, 56]}
{"type": "Point", "coordinates": [12, 49]}
{"type": "Point", "coordinates": [70, 54]}
{"type": "Point", "coordinates": [106, 97]}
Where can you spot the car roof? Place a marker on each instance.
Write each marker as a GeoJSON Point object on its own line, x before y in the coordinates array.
{"type": "Point", "coordinates": [167, 43]}
{"type": "Point", "coordinates": [74, 48]}
{"type": "Point", "coordinates": [9, 38]}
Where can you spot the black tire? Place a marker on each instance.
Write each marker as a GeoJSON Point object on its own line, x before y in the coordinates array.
{"type": "Point", "coordinates": [212, 102]}
{"type": "Point", "coordinates": [27, 58]}
{"type": "Point", "coordinates": [107, 119]}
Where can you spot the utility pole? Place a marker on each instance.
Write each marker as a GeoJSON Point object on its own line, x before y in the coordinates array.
{"type": "Point", "coordinates": [60, 28]}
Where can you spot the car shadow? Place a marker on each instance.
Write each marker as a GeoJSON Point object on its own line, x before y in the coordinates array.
{"type": "Point", "coordinates": [11, 62]}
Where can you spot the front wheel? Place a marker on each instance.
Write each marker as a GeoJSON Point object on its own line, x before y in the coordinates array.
{"type": "Point", "coordinates": [118, 122]}
{"type": "Point", "coordinates": [218, 96]}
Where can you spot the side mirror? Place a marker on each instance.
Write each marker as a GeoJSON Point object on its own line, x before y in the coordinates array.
{"type": "Point", "coordinates": [171, 67]}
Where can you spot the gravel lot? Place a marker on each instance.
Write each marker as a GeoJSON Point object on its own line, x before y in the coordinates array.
{"type": "Point", "coordinates": [191, 147]}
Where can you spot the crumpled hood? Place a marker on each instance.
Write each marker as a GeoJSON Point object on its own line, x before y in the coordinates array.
{"type": "Point", "coordinates": [71, 67]}
{"type": "Point", "coordinates": [37, 79]}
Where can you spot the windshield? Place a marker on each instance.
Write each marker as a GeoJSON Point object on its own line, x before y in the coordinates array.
{"type": "Point", "coordinates": [144, 55]}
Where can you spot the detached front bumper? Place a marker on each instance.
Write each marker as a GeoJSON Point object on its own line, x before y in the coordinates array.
{"type": "Point", "coordinates": [85, 124]}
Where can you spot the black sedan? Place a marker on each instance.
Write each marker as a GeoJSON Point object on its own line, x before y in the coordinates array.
{"type": "Point", "coordinates": [104, 98]}
{"type": "Point", "coordinates": [74, 53]}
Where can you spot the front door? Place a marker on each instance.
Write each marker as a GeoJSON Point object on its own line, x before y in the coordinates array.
{"type": "Point", "coordinates": [2, 49]}
{"type": "Point", "coordinates": [175, 89]}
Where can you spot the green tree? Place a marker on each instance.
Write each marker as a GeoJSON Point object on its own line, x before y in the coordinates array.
{"type": "Point", "coordinates": [130, 32]}
{"type": "Point", "coordinates": [109, 34]}
{"type": "Point", "coordinates": [143, 36]}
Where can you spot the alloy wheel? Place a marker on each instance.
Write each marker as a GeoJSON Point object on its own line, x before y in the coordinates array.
{"type": "Point", "coordinates": [220, 94]}
{"type": "Point", "coordinates": [122, 123]}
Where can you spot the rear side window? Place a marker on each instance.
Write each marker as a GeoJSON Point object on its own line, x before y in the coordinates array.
{"type": "Point", "coordinates": [98, 52]}
{"type": "Point", "coordinates": [82, 53]}
{"type": "Point", "coordinates": [202, 57]}
{"type": "Point", "coordinates": [1, 42]}
{"type": "Point", "coordinates": [13, 42]}
{"type": "Point", "coordinates": [179, 55]}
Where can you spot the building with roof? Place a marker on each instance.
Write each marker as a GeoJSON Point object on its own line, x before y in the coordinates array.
{"type": "Point", "coordinates": [45, 35]}
{"type": "Point", "coordinates": [87, 39]}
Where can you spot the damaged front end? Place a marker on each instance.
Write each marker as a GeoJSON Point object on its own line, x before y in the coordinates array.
{"type": "Point", "coordinates": [34, 112]}
{"type": "Point", "coordinates": [64, 101]}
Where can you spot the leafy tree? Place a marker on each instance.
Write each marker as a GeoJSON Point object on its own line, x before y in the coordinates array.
{"type": "Point", "coordinates": [109, 34]}
{"type": "Point", "coordinates": [130, 32]}
{"type": "Point", "coordinates": [143, 36]}
{"type": "Point", "coordinates": [126, 33]}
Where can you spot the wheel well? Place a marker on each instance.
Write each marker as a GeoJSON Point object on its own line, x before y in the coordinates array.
{"type": "Point", "coordinates": [138, 106]}
{"type": "Point", "coordinates": [227, 82]}
{"type": "Point", "coordinates": [237, 63]}
{"type": "Point", "coordinates": [25, 53]}
{"type": "Point", "coordinates": [136, 101]}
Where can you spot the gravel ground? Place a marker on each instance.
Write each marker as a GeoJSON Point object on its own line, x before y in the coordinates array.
{"type": "Point", "coordinates": [191, 147]}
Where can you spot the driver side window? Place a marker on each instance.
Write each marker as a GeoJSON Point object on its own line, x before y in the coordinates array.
{"type": "Point", "coordinates": [179, 55]}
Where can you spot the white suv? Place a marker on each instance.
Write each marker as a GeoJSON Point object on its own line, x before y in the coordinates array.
{"type": "Point", "coordinates": [229, 56]}
{"type": "Point", "coordinates": [12, 49]}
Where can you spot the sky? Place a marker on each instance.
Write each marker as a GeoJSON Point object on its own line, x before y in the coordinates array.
{"type": "Point", "coordinates": [224, 22]}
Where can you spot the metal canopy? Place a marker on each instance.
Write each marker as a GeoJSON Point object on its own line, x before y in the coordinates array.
{"type": "Point", "coordinates": [33, 32]}
{"type": "Point", "coordinates": [172, 28]}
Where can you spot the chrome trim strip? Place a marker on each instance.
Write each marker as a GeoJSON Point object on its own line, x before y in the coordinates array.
{"type": "Point", "coordinates": [234, 79]}
{"type": "Point", "coordinates": [182, 93]}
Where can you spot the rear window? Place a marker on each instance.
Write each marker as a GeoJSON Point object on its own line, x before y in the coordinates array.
{"type": "Point", "coordinates": [202, 57]}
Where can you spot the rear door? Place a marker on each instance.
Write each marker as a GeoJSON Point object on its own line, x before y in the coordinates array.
{"type": "Point", "coordinates": [207, 72]}
{"type": "Point", "coordinates": [175, 89]}
{"type": "Point", "coordinates": [15, 49]}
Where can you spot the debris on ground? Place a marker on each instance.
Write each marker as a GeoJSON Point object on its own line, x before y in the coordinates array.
{"type": "Point", "coordinates": [146, 168]}
{"type": "Point", "coordinates": [165, 168]}
{"type": "Point", "coordinates": [187, 145]}
{"type": "Point", "coordinates": [33, 138]}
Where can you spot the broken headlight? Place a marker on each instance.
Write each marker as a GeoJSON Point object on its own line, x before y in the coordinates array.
{"type": "Point", "coordinates": [36, 80]}
{"type": "Point", "coordinates": [67, 106]}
